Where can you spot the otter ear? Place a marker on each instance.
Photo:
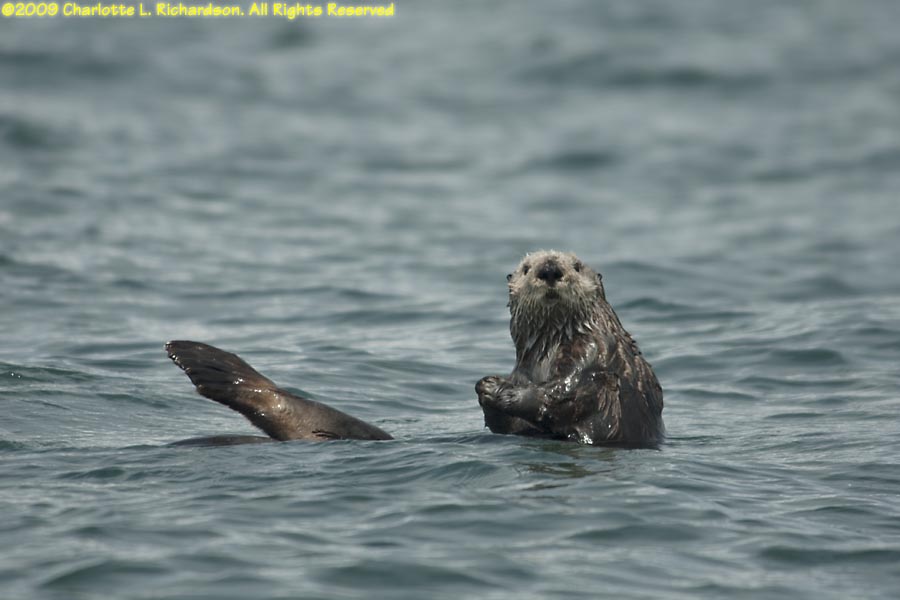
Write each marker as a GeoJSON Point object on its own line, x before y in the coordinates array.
{"type": "Point", "coordinates": [509, 277]}
{"type": "Point", "coordinates": [599, 277]}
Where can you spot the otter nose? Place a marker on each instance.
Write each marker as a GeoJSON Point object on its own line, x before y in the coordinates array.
{"type": "Point", "coordinates": [550, 272]}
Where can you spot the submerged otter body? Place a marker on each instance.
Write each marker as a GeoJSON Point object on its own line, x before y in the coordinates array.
{"type": "Point", "coordinates": [578, 375]}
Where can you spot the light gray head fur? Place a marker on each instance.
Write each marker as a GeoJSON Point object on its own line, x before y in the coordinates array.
{"type": "Point", "coordinates": [553, 295]}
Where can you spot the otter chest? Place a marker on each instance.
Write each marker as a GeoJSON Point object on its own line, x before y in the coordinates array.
{"type": "Point", "coordinates": [562, 360]}
{"type": "Point", "coordinates": [545, 367]}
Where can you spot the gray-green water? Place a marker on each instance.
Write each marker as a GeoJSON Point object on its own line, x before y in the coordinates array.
{"type": "Point", "coordinates": [339, 202]}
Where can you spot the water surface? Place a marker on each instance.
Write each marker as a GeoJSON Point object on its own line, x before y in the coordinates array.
{"type": "Point", "coordinates": [339, 202]}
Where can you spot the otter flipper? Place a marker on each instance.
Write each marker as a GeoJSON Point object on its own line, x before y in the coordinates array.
{"type": "Point", "coordinates": [227, 379]}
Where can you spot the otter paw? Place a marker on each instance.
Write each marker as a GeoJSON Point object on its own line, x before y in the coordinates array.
{"type": "Point", "coordinates": [506, 398]}
{"type": "Point", "coordinates": [488, 387]}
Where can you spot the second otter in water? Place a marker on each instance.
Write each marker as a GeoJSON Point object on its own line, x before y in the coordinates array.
{"type": "Point", "coordinates": [579, 375]}
{"type": "Point", "coordinates": [227, 379]}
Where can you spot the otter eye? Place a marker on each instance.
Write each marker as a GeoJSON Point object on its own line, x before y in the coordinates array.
{"type": "Point", "coordinates": [525, 270]}
{"type": "Point", "coordinates": [509, 277]}
{"type": "Point", "coordinates": [578, 266]}
{"type": "Point", "coordinates": [599, 277]}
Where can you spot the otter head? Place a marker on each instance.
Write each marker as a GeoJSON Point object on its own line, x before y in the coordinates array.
{"type": "Point", "coordinates": [552, 290]}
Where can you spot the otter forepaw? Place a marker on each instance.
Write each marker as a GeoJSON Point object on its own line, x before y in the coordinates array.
{"type": "Point", "coordinates": [489, 387]}
{"type": "Point", "coordinates": [498, 393]}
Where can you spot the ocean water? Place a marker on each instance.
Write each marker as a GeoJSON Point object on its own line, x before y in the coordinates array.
{"type": "Point", "coordinates": [339, 201]}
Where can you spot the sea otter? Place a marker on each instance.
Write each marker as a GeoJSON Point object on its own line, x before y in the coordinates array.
{"type": "Point", "coordinates": [579, 375]}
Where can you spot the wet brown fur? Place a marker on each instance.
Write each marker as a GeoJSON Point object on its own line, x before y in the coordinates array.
{"type": "Point", "coordinates": [578, 375]}
{"type": "Point", "coordinates": [227, 379]}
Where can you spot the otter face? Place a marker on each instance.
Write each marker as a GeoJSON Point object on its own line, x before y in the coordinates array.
{"type": "Point", "coordinates": [548, 280]}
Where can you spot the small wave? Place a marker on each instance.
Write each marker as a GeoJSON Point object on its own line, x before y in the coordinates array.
{"type": "Point", "coordinates": [808, 383]}
{"type": "Point", "coordinates": [639, 532]}
{"type": "Point", "coordinates": [600, 69]}
{"type": "Point", "coordinates": [877, 160]}
{"type": "Point", "coordinates": [101, 474]}
{"type": "Point", "coordinates": [819, 287]}
{"type": "Point", "coordinates": [654, 268]}
{"type": "Point", "coordinates": [104, 572]}
{"type": "Point", "coordinates": [808, 357]}
{"type": "Point", "coordinates": [682, 312]}
{"type": "Point", "coordinates": [808, 556]}
{"type": "Point", "coordinates": [417, 164]}
{"type": "Point", "coordinates": [25, 134]}
{"type": "Point", "coordinates": [294, 35]}
{"type": "Point", "coordinates": [717, 395]}
{"type": "Point", "coordinates": [62, 62]}
{"type": "Point", "coordinates": [11, 445]}
{"type": "Point", "coordinates": [571, 160]}
{"type": "Point", "coordinates": [794, 415]}
{"type": "Point", "coordinates": [691, 363]}
{"type": "Point", "coordinates": [685, 76]}
{"type": "Point", "coordinates": [45, 374]}
{"type": "Point", "coordinates": [382, 574]}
